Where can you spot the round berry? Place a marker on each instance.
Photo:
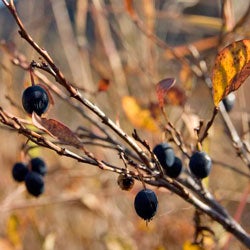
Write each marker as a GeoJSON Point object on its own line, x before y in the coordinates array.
{"type": "Point", "coordinates": [38, 165]}
{"type": "Point", "coordinates": [165, 154]}
{"type": "Point", "coordinates": [19, 171]}
{"type": "Point", "coordinates": [174, 170]}
{"type": "Point", "coordinates": [146, 204]}
{"type": "Point", "coordinates": [34, 183]}
{"type": "Point", "coordinates": [200, 164]}
{"type": "Point", "coordinates": [125, 182]}
{"type": "Point", "coordinates": [35, 99]}
{"type": "Point", "coordinates": [229, 101]}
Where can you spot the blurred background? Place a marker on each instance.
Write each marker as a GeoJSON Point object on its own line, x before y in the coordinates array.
{"type": "Point", "coordinates": [83, 207]}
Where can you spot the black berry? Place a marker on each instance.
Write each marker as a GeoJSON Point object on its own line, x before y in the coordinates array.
{"type": "Point", "coordinates": [229, 101]}
{"type": "Point", "coordinates": [35, 99]}
{"type": "Point", "coordinates": [38, 165]}
{"type": "Point", "coordinates": [200, 164]}
{"type": "Point", "coordinates": [165, 154]}
{"type": "Point", "coordinates": [19, 171]}
{"type": "Point", "coordinates": [34, 183]}
{"type": "Point", "coordinates": [174, 170]}
{"type": "Point", "coordinates": [125, 182]}
{"type": "Point", "coordinates": [146, 204]}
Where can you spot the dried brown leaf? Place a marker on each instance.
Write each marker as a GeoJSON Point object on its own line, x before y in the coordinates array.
{"type": "Point", "coordinates": [103, 84]}
{"type": "Point", "coordinates": [162, 87]}
{"type": "Point", "coordinates": [57, 129]}
{"type": "Point", "coordinates": [176, 96]}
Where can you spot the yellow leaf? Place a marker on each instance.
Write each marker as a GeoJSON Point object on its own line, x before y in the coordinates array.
{"type": "Point", "coordinates": [231, 69]}
{"type": "Point", "coordinates": [140, 118]}
{"type": "Point", "coordinates": [12, 230]}
{"type": "Point", "coordinates": [189, 246]}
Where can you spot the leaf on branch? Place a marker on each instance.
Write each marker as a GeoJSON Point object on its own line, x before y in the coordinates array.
{"type": "Point", "coordinates": [56, 129]}
{"type": "Point", "coordinates": [161, 89]}
{"type": "Point", "coordinates": [231, 69]}
{"type": "Point", "coordinates": [103, 84]}
{"type": "Point", "coordinates": [176, 96]}
{"type": "Point", "coordinates": [140, 118]}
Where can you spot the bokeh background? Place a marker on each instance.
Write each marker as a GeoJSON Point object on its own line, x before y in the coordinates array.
{"type": "Point", "coordinates": [83, 207]}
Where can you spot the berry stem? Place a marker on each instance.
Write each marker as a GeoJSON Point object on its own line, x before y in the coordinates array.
{"type": "Point", "coordinates": [31, 70]}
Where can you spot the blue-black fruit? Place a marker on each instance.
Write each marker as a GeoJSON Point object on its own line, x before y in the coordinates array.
{"type": "Point", "coordinates": [200, 164]}
{"type": "Point", "coordinates": [165, 154]}
{"type": "Point", "coordinates": [125, 182]}
{"type": "Point", "coordinates": [34, 183]}
{"type": "Point", "coordinates": [19, 171]}
{"type": "Point", "coordinates": [229, 101]}
{"type": "Point", "coordinates": [175, 170]}
{"type": "Point", "coordinates": [38, 165]}
{"type": "Point", "coordinates": [35, 99]}
{"type": "Point", "coordinates": [146, 204]}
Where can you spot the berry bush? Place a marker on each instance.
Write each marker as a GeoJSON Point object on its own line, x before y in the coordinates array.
{"type": "Point", "coordinates": [124, 125]}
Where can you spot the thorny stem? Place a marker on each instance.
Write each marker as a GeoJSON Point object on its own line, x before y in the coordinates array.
{"type": "Point", "coordinates": [226, 221]}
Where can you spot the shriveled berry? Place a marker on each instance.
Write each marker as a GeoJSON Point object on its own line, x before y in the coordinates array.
{"type": "Point", "coordinates": [175, 170]}
{"type": "Point", "coordinates": [38, 165]}
{"type": "Point", "coordinates": [229, 101]}
{"type": "Point", "coordinates": [35, 99]}
{"type": "Point", "coordinates": [34, 183]}
{"type": "Point", "coordinates": [165, 154]}
{"type": "Point", "coordinates": [19, 171]}
{"type": "Point", "coordinates": [200, 164]}
{"type": "Point", "coordinates": [125, 182]}
{"type": "Point", "coordinates": [146, 204]}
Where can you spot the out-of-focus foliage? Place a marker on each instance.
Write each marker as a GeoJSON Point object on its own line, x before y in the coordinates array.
{"type": "Point", "coordinates": [83, 207]}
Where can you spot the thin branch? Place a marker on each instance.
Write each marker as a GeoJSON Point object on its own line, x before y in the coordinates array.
{"type": "Point", "coordinates": [73, 91]}
{"type": "Point", "coordinates": [209, 124]}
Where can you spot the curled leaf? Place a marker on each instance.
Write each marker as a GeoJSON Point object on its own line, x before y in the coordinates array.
{"type": "Point", "coordinates": [139, 117]}
{"type": "Point", "coordinates": [231, 69]}
{"type": "Point", "coordinates": [162, 87]}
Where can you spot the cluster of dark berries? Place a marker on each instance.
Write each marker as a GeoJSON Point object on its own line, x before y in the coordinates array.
{"type": "Point", "coordinates": [200, 163]}
{"type": "Point", "coordinates": [35, 99]}
{"type": "Point", "coordinates": [171, 164]}
{"type": "Point", "coordinates": [32, 174]}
